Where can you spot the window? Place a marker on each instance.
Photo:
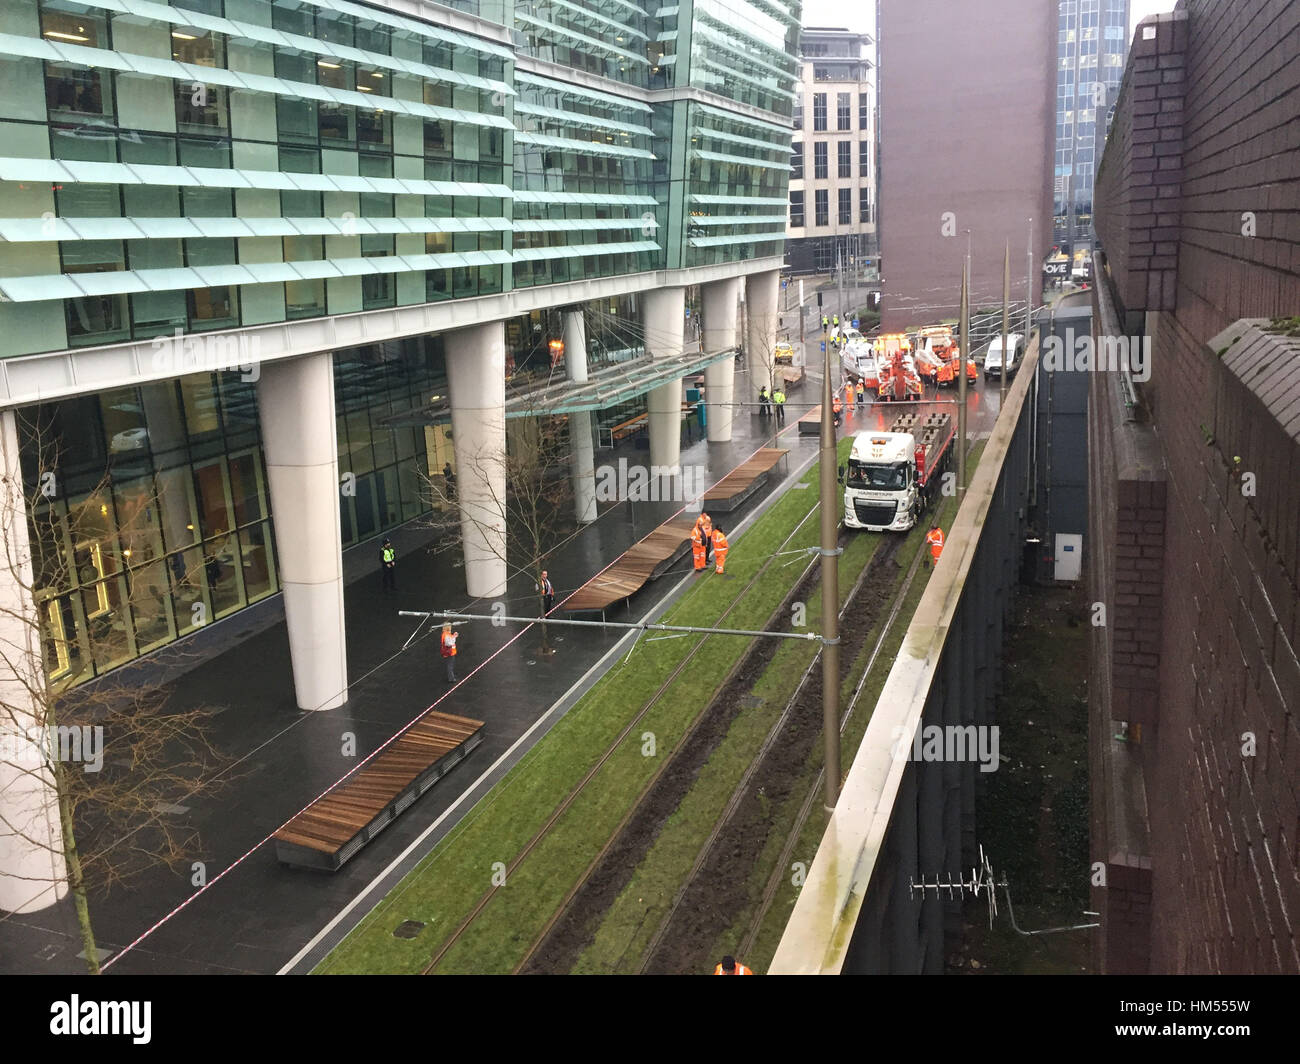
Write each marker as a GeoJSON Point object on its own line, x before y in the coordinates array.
{"type": "Point", "coordinates": [823, 210]}
{"type": "Point", "coordinates": [819, 111]}
{"type": "Point", "coordinates": [798, 111]}
{"type": "Point", "coordinates": [796, 162]}
{"type": "Point", "coordinates": [796, 210]}
{"type": "Point", "coordinates": [819, 161]}
{"type": "Point", "coordinates": [846, 158]}
{"type": "Point", "coordinates": [864, 110]}
{"type": "Point", "coordinates": [864, 206]}
{"type": "Point", "coordinates": [864, 158]}
{"type": "Point", "coordinates": [843, 112]}
{"type": "Point", "coordinates": [846, 206]}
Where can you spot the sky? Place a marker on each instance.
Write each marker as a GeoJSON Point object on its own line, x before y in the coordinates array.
{"type": "Point", "coordinates": [860, 15]}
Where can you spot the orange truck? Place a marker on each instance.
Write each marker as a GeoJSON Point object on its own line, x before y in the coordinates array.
{"type": "Point", "coordinates": [898, 378]}
{"type": "Point", "coordinates": [943, 353]}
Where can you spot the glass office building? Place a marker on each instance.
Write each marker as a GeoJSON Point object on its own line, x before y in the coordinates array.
{"type": "Point", "coordinates": [221, 169]}
{"type": "Point", "coordinates": [1092, 46]}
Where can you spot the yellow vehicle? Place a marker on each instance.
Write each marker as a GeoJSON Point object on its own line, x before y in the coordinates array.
{"type": "Point", "coordinates": [784, 352]}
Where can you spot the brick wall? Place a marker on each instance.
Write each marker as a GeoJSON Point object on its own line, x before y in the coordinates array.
{"type": "Point", "coordinates": [1140, 178]}
{"type": "Point", "coordinates": [1221, 758]}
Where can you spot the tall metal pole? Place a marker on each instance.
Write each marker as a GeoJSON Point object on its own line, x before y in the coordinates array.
{"type": "Point", "coordinates": [961, 382]}
{"type": "Point", "coordinates": [1006, 318]}
{"type": "Point", "coordinates": [839, 263]}
{"type": "Point", "coordinates": [804, 351]}
{"type": "Point", "coordinates": [830, 509]}
{"type": "Point", "coordinates": [1029, 286]}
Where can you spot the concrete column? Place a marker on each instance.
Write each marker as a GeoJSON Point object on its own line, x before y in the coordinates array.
{"type": "Point", "coordinates": [663, 316]}
{"type": "Point", "coordinates": [762, 293]}
{"type": "Point", "coordinates": [582, 457]}
{"type": "Point", "coordinates": [476, 378]}
{"type": "Point", "coordinates": [295, 398]}
{"type": "Point", "coordinates": [32, 871]}
{"type": "Point", "coordinates": [720, 299]}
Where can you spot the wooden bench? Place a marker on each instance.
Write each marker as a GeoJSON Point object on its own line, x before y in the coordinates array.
{"type": "Point", "coordinates": [330, 831]}
{"type": "Point", "coordinates": [640, 563]}
{"type": "Point", "coordinates": [624, 429]}
{"type": "Point", "coordinates": [738, 485]}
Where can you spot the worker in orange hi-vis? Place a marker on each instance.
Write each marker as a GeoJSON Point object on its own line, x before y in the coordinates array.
{"type": "Point", "coordinates": [836, 408]}
{"type": "Point", "coordinates": [935, 538]}
{"type": "Point", "coordinates": [705, 524]}
{"type": "Point", "coordinates": [862, 393]}
{"type": "Point", "coordinates": [697, 548]}
{"type": "Point", "coordinates": [731, 966]}
{"type": "Point", "coordinates": [719, 549]}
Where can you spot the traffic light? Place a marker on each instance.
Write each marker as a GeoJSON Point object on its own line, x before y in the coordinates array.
{"type": "Point", "coordinates": [819, 299]}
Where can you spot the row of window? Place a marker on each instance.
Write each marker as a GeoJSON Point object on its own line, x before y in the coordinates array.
{"type": "Point", "coordinates": [843, 158]}
{"type": "Point", "coordinates": [821, 207]}
{"type": "Point", "coordinates": [843, 111]}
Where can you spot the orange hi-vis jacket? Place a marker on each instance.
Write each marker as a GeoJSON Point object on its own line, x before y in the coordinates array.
{"type": "Point", "coordinates": [705, 524]}
{"type": "Point", "coordinates": [697, 546]}
{"type": "Point", "coordinates": [935, 538]}
{"type": "Point", "coordinates": [448, 644]}
{"type": "Point", "coordinates": [719, 550]}
{"type": "Point", "coordinates": [740, 970]}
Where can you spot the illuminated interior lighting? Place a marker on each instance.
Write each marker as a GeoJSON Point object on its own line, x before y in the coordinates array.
{"type": "Point", "coordinates": [328, 65]}
{"type": "Point", "coordinates": [364, 88]}
{"type": "Point", "coordinates": [184, 36]}
{"type": "Point", "coordinates": [376, 74]}
{"type": "Point", "coordinates": [65, 36]}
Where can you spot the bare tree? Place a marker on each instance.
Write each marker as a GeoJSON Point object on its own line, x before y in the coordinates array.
{"type": "Point", "coordinates": [537, 500]}
{"type": "Point", "coordinates": [89, 772]}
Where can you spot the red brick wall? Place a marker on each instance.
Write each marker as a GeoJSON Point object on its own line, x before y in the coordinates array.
{"type": "Point", "coordinates": [1140, 178]}
{"type": "Point", "coordinates": [1225, 827]}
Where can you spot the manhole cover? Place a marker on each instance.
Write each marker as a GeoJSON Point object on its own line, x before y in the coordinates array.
{"type": "Point", "coordinates": [408, 929]}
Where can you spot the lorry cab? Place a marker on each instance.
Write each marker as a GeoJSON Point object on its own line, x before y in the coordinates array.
{"type": "Point", "coordinates": [880, 489]}
{"type": "Point", "coordinates": [993, 359]}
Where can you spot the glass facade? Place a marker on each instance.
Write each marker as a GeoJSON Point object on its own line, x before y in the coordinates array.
{"type": "Point", "coordinates": [1092, 45]}
{"type": "Point", "coordinates": [234, 163]}
{"type": "Point", "coordinates": [155, 519]}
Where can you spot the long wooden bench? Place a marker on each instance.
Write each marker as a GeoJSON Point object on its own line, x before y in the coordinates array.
{"type": "Point", "coordinates": [742, 482]}
{"type": "Point", "coordinates": [624, 429]}
{"type": "Point", "coordinates": [641, 562]}
{"type": "Point", "coordinates": [330, 831]}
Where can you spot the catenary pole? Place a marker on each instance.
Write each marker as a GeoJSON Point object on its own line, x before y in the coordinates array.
{"type": "Point", "coordinates": [830, 510]}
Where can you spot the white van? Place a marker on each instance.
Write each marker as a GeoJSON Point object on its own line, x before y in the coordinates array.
{"type": "Point", "coordinates": [993, 359]}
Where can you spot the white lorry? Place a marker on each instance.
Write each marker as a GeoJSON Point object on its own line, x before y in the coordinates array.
{"type": "Point", "coordinates": [893, 476]}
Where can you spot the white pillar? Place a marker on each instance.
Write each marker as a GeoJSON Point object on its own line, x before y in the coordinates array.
{"type": "Point", "coordinates": [663, 316]}
{"type": "Point", "coordinates": [476, 379]}
{"type": "Point", "coordinates": [720, 299]}
{"type": "Point", "coordinates": [295, 398]}
{"type": "Point", "coordinates": [762, 292]}
{"type": "Point", "coordinates": [582, 457]}
{"type": "Point", "coordinates": [32, 871]}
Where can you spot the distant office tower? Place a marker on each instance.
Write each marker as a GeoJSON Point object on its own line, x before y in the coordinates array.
{"type": "Point", "coordinates": [1092, 41]}
{"type": "Point", "coordinates": [967, 107]}
{"type": "Point", "coordinates": [833, 172]}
